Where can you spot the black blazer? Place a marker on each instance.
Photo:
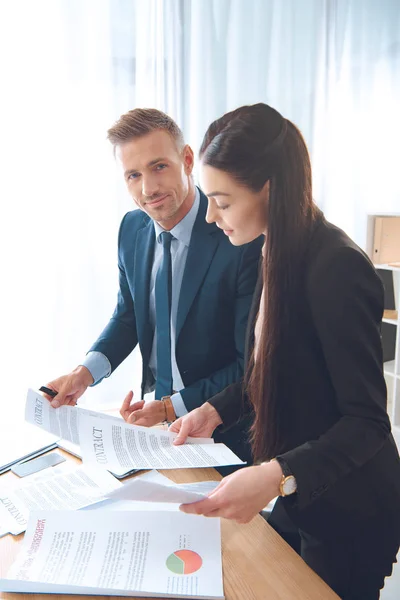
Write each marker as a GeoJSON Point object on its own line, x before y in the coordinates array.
{"type": "Point", "coordinates": [337, 434]}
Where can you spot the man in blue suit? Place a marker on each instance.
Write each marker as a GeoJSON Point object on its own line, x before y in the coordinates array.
{"type": "Point", "coordinates": [184, 290]}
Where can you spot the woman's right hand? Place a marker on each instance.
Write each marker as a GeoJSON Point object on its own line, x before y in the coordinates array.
{"type": "Point", "coordinates": [200, 422]}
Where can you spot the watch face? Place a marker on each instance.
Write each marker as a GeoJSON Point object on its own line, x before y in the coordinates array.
{"type": "Point", "coordinates": [289, 485]}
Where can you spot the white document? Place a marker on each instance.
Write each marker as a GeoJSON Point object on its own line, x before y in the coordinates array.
{"type": "Point", "coordinates": [19, 441]}
{"type": "Point", "coordinates": [119, 447]}
{"type": "Point", "coordinates": [145, 554]}
{"type": "Point", "coordinates": [118, 504]}
{"type": "Point", "coordinates": [62, 422]}
{"type": "Point", "coordinates": [145, 489]}
{"type": "Point", "coordinates": [66, 487]}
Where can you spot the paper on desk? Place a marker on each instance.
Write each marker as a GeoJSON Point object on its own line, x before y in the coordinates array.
{"type": "Point", "coordinates": [69, 447]}
{"type": "Point", "coordinates": [66, 486]}
{"type": "Point", "coordinates": [119, 446]}
{"type": "Point", "coordinates": [119, 553]}
{"type": "Point", "coordinates": [146, 489]}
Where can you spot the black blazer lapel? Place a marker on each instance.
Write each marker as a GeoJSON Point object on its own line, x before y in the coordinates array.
{"type": "Point", "coordinates": [203, 245]}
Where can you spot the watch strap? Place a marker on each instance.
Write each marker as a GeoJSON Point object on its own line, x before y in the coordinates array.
{"type": "Point", "coordinates": [170, 415]}
{"type": "Point", "coordinates": [286, 470]}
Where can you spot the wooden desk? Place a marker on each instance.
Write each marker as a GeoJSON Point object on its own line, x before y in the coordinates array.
{"type": "Point", "coordinates": [257, 563]}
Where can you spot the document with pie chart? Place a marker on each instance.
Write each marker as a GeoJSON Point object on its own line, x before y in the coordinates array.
{"type": "Point", "coordinates": [119, 553]}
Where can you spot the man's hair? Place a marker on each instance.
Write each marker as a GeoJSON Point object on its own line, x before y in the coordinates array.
{"type": "Point", "coordinates": [141, 121]}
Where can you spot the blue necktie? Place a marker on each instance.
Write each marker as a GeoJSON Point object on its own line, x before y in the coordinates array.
{"type": "Point", "coordinates": [163, 297]}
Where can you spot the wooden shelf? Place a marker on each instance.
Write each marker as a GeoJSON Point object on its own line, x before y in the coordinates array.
{"type": "Point", "coordinates": [387, 267]}
{"type": "Point", "coordinates": [390, 316]}
{"type": "Point", "coordinates": [389, 273]}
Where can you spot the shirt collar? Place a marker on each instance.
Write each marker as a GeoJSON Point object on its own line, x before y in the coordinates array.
{"type": "Point", "coordinates": [183, 230]}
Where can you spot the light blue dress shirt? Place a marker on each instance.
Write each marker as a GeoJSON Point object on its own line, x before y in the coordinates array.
{"type": "Point", "coordinates": [99, 365]}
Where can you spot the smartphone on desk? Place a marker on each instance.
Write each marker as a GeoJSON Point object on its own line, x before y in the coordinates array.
{"type": "Point", "coordinates": [37, 464]}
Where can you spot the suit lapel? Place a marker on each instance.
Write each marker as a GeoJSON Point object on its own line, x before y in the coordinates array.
{"type": "Point", "coordinates": [144, 254]}
{"type": "Point", "coordinates": [202, 247]}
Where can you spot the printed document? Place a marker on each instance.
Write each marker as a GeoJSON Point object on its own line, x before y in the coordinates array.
{"type": "Point", "coordinates": [144, 554]}
{"type": "Point", "coordinates": [64, 487]}
{"type": "Point", "coordinates": [119, 446]}
{"type": "Point", "coordinates": [62, 422]}
{"type": "Point", "coordinates": [122, 504]}
{"type": "Point", "coordinates": [146, 489]}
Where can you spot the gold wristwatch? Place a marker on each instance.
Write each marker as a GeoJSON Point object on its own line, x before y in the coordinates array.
{"type": "Point", "coordinates": [288, 483]}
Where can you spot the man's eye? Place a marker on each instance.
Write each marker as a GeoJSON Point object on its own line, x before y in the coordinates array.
{"type": "Point", "coordinates": [160, 167]}
{"type": "Point", "coordinates": [133, 176]}
{"type": "Point", "coordinates": [223, 207]}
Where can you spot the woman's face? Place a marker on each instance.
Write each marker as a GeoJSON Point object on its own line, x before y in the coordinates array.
{"type": "Point", "coordinates": [236, 209]}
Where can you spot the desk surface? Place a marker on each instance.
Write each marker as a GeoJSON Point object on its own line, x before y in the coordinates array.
{"type": "Point", "coordinates": [257, 563]}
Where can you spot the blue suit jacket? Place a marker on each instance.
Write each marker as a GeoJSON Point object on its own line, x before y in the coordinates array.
{"type": "Point", "coordinates": [215, 299]}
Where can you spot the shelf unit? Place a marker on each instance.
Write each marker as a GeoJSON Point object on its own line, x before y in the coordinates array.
{"type": "Point", "coordinates": [392, 367]}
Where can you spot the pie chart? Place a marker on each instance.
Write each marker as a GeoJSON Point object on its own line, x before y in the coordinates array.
{"type": "Point", "coordinates": [184, 562]}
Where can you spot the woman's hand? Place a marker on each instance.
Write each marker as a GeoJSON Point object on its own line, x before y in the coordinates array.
{"type": "Point", "coordinates": [200, 422]}
{"type": "Point", "coordinates": [242, 495]}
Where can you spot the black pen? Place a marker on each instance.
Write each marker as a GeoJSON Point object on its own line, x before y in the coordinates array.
{"type": "Point", "coordinates": [48, 391]}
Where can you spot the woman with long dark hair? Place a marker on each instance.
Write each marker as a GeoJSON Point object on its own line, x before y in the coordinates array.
{"type": "Point", "coordinates": [314, 372]}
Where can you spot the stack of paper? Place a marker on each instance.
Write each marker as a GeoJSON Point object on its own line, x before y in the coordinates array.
{"type": "Point", "coordinates": [66, 486]}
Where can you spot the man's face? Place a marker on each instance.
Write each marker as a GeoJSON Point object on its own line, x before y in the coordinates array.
{"type": "Point", "coordinates": [157, 174]}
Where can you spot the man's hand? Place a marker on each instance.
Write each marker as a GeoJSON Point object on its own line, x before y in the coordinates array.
{"type": "Point", "coordinates": [240, 496]}
{"type": "Point", "coordinates": [70, 387]}
{"type": "Point", "coordinates": [141, 413]}
{"type": "Point", "coordinates": [200, 422]}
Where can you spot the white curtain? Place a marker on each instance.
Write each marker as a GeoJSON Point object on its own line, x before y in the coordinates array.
{"type": "Point", "coordinates": [59, 207]}
{"type": "Point", "coordinates": [69, 68]}
{"type": "Point", "coordinates": [331, 66]}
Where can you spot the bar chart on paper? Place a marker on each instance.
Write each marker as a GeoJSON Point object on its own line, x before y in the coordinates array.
{"type": "Point", "coordinates": [184, 562]}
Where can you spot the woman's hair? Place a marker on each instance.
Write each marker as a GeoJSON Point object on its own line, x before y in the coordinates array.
{"type": "Point", "coordinates": [255, 144]}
